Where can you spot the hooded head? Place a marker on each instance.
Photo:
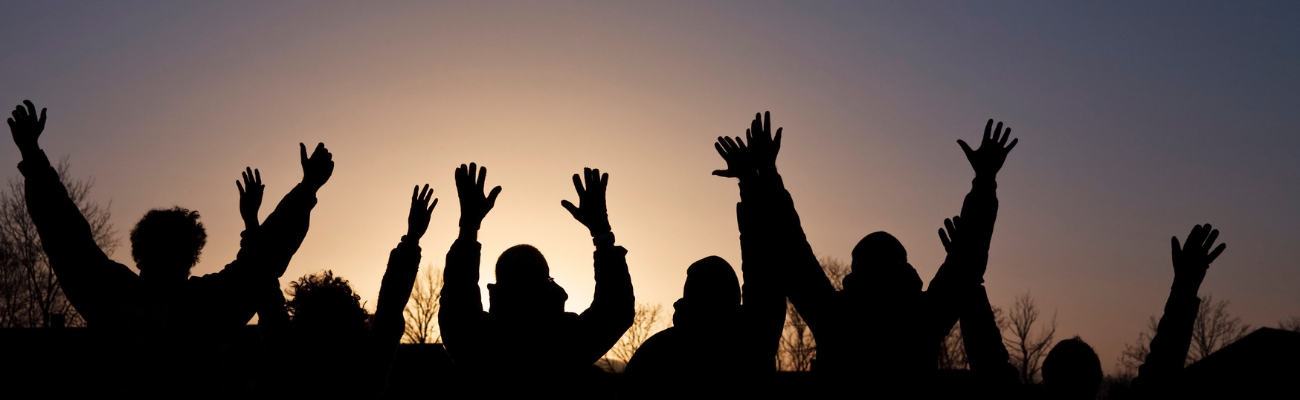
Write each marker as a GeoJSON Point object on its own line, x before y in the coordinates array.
{"type": "Point", "coordinates": [880, 266]}
{"type": "Point", "coordinates": [166, 243]}
{"type": "Point", "coordinates": [1072, 370]}
{"type": "Point", "coordinates": [711, 292]}
{"type": "Point", "coordinates": [524, 285]}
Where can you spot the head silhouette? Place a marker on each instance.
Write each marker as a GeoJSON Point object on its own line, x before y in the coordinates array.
{"type": "Point", "coordinates": [524, 285]}
{"type": "Point", "coordinates": [324, 304]}
{"type": "Point", "coordinates": [1072, 370]}
{"type": "Point", "coordinates": [880, 266]}
{"type": "Point", "coordinates": [711, 294]}
{"type": "Point", "coordinates": [167, 242]}
{"type": "Point", "coordinates": [711, 280]}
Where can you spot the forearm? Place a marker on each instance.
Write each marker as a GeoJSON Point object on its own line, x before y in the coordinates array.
{"type": "Point", "coordinates": [982, 338]}
{"type": "Point", "coordinates": [613, 300]}
{"type": "Point", "coordinates": [460, 292]}
{"type": "Point", "coordinates": [1172, 341]}
{"type": "Point", "coordinates": [395, 289]}
{"type": "Point", "coordinates": [285, 228]}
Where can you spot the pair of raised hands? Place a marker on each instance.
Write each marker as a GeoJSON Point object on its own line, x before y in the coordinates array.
{"type": "Point", "coordinates": [474, 204]}
{"type": "Point", "coordinates": [758, 157]}
{"type": "Point", "coordinates": [316, 170]}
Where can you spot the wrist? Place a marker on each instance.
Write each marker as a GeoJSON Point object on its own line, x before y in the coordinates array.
{"type": "Point", "coordinates": [469, 233]}
{"type": "Point", "coordinates": [603, 240]}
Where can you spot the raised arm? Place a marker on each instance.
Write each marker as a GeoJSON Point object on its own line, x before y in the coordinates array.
{"type": "Point", "coordinates": [804, 282]}
{"type": "Point", "coordinates": [87, 276]}
{"type": "Point", "coordinates": [764, 305]}
{"type": "Point", "coordinates": [613, 304]}
{"type": "Point", "coordinates": [286, 227]}
{"type": "Point", "coordinates": [1174, 334]}
{"type": "Point", "coordinates": [994, 375]}
{"type": "Point", "coordinates": [395, 290]}
{"type": "Point", "coordinates": [461, 301]}
{"type": "Point", "coordinates": [979, 210]}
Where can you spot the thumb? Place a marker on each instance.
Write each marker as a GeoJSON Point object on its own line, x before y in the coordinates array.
{"type": "Point", "coordinates": [569, 206]}
{"type": "Point", "coordinates": [965, 148]}
{"type": "Point", "coordinates": [724, 173]}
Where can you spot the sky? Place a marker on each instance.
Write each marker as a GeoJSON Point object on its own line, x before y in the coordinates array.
{"type": "Point", "coordinates": [1136, 121]}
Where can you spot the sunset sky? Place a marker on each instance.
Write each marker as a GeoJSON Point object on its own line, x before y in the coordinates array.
{"type": "Point", "coordinates": [1136, 122]}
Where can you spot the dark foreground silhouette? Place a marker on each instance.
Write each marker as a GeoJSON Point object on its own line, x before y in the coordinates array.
{"type": "Point", "coordinates": [163, 328]}
{"type": "Point", "coordinates": [526, 341]}
{"type": "Point", "coordinates": [165, 334]}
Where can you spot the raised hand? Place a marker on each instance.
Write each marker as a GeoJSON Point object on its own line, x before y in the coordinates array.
{"type": "Point", "coordinates": [737, 157]}
{"type": "Point", "coordinates": [988, 160]}
{"type": "Point", "coordinates": [417, 222]}
{"type": "Point", "coordinates": [763, 146]}
{"type": "Point", "coordinates": [591, 210]}
{"type": "Point", "coordinates": [473, 204]}
{"type": "Point", "coordinates": [26, 127]}
{"type": "Point", "coordinates": [955, 242]}
{"type": "Point", "coordinates": [317, 169]}
{"type": "Point", "coordinates": [1193, 258]}
{"type": "Point", "coordinates": [250, 196]}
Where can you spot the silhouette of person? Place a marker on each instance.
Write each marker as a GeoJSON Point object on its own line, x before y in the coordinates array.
{"type": "Point", "coordinates": [526, 344]}
{"type": "Point", "coordinates": [1072, 370]}
{"type": "Point", "coordinates": [711, 318]}
{"type": "Point", "coordinates": [882, 330]}
{"type": "Point", "coordinates": [335, 348]}
{"type": "Point", "coordinates": [163, 326]}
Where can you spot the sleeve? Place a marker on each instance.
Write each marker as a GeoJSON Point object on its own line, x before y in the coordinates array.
{"type": "Point", "coordinates": [89, 279]}
{"type": "Point", "coordinates": [764, 305]}
{"type": "Point", "coordinates": [613, 305]}
{"type": "Point", "coordinates": [989, 362]}
{"type": "Point", "coordinates": [1169, 347]}
{"type": "Point", "coordinates": [461, 302]}
{"type": "Point", "coordinates": [963, 268]}
{"type": "Point", "coordinates": [806, 284]}
{"type": "Point", "coordinates": [394, 292]}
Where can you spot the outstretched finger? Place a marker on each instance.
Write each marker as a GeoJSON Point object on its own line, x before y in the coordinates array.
{"type": "Point", "coordinates": [431, 206]}
{"type": "Point", "coordinates": [1215, 254]}
{"type": "Point", "coordinates": [1173, 243]}
{"type": "Point", "coordinates": [943, 238]}
{"type": "Point", "coordinates": [1005, 135]}
{"type": "Point", "coordinates": [573, 210]}
{"type": "Point", "coordinates": [952, 230]}
{"type": "Point", "coordinates": [1013, 144]}
{"type": "Point", "coordinates": [724, 173]}
{"type": "Point", "coordinates": [776, 141]}
{"type": "Point", "coordinates": [988, 130]}
{"type": "Point", "coordinates": [965, 148]}
{"type": "Point", "coordinates": [257, 174]}
{"type": "Point", "coordinates": [577, 185]}
{"type": "Point", "coordinates": [302, 152]}
{"type": "Point", "coordinates": [241, 188]}
{"type": "Point", "coordinates": [31, 108]}
{"type": "Point", "coordinates": [767, 123]}
{"type": "Point", "coordinates": [482, 177]}
{"type": "Point", "coordinates": [415, 191]}
{"type": "Point", "coordinates": [42, 120]}
{"type": "Point", "coordinates": [492, 197]}
{"type": "Point", "coordinates": [1209, 241]}
{"type": "Point", "coordinates": [604, 180]}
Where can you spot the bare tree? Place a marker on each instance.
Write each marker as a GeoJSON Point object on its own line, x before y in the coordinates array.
{"type": "Point", "coordinates": [30, 295]}
{"type": "Point", "coordinates": [1214, 329]}
{"type": "Point", "coordinates": [797, 348]}
{"type": "Point", "coordinates": [645, 323]}
{"type": "Point", "coordinates": [1292, 324]}
{"type": "Point", "coordinates": [1027, 350]}
{"type": "Point", "coordinates": [1135, 354]}
{"type": "Point", "coordinates": [421, 311]}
